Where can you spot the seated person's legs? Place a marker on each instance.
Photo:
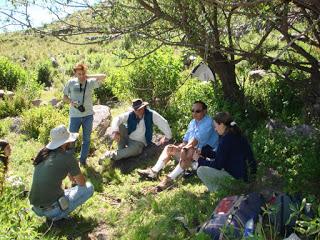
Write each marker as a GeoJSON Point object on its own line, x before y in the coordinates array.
{"type": "Point", "coordinates": [134, 148]}
{"type": "Point", "coordinates": [212, 177]}
{"type": "Point", "coordinates": [168, 151]}
{"type": "Point", "coordinates": [184, 163]}
{"type": "Point", "coordinates": [123, 141]}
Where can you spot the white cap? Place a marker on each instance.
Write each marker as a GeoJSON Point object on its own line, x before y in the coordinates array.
{"type": "Point", "coordinates": [59, 136]}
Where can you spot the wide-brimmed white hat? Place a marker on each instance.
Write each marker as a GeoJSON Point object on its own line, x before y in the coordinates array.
{"type": "Point", "coordinates": [59, 136]}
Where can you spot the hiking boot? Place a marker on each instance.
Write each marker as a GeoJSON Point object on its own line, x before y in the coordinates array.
{"type": "Point", "coordinates": [107, 154]}
{"type": "Point", "coordinates": [148, 173]}
{"type": "Point", "coordinates": [164, 184]}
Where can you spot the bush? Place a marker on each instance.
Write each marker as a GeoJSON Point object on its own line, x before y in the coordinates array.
{"type": "Point", "coordinates": [45, 74]}
{"type": "Point", "coordinates": [153, 79]}
{"type": "Point", "coordinates": [104, 93]}
{"type": "Point", "coordinates": [5, 127]}
{"type": "Point", "coordinates": [10, 107]}
{"type": "Point", "coordinates": [37, 122]}
{"type": "Point", "coordinates": [277, 97]}
{"type": "Point", "coordinates": [10, 74]}
{"type": "Point", "coordinates": [295, 157]}
{"type": "Point", "coordinates": [16, 220]}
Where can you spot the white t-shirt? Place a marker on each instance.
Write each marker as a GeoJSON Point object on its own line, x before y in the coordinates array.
{"type": "Point", "coordinates": [73, 91]}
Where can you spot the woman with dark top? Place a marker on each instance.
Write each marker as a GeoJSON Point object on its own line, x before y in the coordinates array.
{"type": "Point", "coordinates": [233, 157]}
{"type": "Point", "coordinates": [52, 165]}
{"type": "Point", "coordinates": [5, 152]}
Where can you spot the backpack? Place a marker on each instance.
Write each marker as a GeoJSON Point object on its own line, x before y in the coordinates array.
{"type": "Point", "coordinates": [231, 215]}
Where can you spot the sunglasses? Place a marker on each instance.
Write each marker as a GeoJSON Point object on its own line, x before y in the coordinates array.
{"type": "Point", "coordinates": [196, 111]}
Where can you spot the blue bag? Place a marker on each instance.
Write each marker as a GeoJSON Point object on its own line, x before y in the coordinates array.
{"type": "Point", "coordinates": [231, 215]}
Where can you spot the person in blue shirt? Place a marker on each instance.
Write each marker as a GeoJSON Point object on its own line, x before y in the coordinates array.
{"type": "Point", "coordinates": [200, 133]}
{"type": "Point", "coordinates": [233, 157]}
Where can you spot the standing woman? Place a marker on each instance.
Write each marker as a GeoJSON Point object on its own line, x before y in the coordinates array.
{"type": "Point", "coordinates": [233, 158]}
{"type": "Point", "coordinates": [78, 93]}
{"type": "Point", "coordinates": [5, 152]}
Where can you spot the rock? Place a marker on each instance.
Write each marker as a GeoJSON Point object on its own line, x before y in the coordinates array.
{"type": "Point", "coordinates": [4, 93]}
{"type": "Point", "coordinates": [101, 119]}
{"type": "Point", "coordinates": [36, 102]}
{"type": "Point", "coordinates": [16, 124]}
{"type": "Point", "coordinates": [257, 74]}
{"type": "Point", "coordinates": [54, 62]}
{"type": "Point", "coordinates": [54, 102]}
{"type": "Point", "coordinates": [302, 130]}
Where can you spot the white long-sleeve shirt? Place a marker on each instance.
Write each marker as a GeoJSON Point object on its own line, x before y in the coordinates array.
{"type": "Point", "coordinates": [139, 133]}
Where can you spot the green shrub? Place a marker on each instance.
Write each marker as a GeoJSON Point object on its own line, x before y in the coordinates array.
{"type": "Point", "coordinates": [156, 77]}
{"type": "Point", "coordinates": [10, 74]}
{"type": "Point", "coordinates": [295, 157]}
{"type": "Point", "coordinates": [16, 220]}
{"type": "Point", "coordinates": [10, 107]}
{"type": "Point", "coordinates": [277, 97]}
{"type": "Point", "coordinates": [104, 93]}
{"type": "Point", "coordinates": [37, 122]}
{"type": "Point", "coordinates": [45, 74]}
{"type": "Point", "coordinates": [5, 127]}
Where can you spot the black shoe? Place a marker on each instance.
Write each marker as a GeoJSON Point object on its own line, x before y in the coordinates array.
{"type": "Point", "coordinates": [83, 165]}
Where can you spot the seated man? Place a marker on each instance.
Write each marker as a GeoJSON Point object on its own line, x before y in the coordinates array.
{"type": "Point", "coordinates": [200, 133]}
{"type": "Point", "coordinates": [52, 165]}
{"type": "Point", "coordinates": [138, 131]}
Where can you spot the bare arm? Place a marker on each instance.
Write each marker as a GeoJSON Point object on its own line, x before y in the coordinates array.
{"type": "Point", "coordinates": [80, 179]}
{"type": "Point", "coordinates": [99, 76]}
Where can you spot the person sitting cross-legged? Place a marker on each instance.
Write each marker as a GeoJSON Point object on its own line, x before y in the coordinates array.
{"type": "Point", "coordinates": [133, 130]}
{"type": "Point", "coordinates": [52, 165]}
{"type": "Point", "coordinates": [232, 159]}
{"type": "Point", "coordinates": [200, 133]}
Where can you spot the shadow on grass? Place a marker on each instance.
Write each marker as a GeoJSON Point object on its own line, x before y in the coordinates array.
{"type": "Point", "coordinates": [75, 227]}
{"type": "Point", "coordinates": [146, 159]}
{"type": "Point", "coordinates": [155, 218]}
{"type": "Point", "coordinates": [95, 178]}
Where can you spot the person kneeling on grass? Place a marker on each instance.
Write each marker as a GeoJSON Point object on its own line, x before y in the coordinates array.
{"type": "Point", "coordinates": [52, 165]}
{"type": "Point", "coordinates": [233, 158]}
{"type": "Point", "coordinates": [200, 134]}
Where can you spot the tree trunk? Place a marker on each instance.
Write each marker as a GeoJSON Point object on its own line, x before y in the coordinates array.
{"type": "Point", "coordinates": [315, 91]}
{"type": "Point", "coordinates": [226, 72]}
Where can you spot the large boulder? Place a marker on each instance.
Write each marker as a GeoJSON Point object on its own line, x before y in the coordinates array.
{"type": "Point", "coordinates": [101, 119]}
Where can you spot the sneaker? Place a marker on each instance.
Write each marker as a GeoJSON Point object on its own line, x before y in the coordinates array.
{"type": "Point", "coordinates": [147, 173]}
{"type": "Point", "coordinates": [188, 173]}
{"type": "Point", "coordinates": [164, 184]}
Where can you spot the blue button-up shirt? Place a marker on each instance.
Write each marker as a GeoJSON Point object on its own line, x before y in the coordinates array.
{"type": "Point", "coordinates": [203, 132]}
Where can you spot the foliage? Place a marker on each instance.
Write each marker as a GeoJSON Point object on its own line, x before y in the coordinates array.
{"type": "Point", "coordinates": [155, 77]}
{"type": "Point", "coordinates": [13, 106]}
{"type": "Point", "coordinates": [309, 225]}
{"type": "Point", "coordinates": [10, 74]}
{"type": "Point", "coordinates": [104, 93]}
{"type": "Point", "coordinates": [16, 220]}
{"type": "Point", "coordinates": [276, 97]}
{"type": "Point", "coordinates": [5, 127]}
{"type": "Point", "coordinates": [37, 122]}
{"type": "Point", "coordinates": [45, 74]}
{"type": "Point", "coordinates": [295, 157]}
